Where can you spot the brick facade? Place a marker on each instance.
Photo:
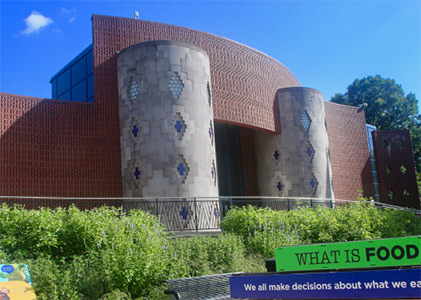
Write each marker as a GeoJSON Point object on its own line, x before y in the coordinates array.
{"type": "Point", "coordinates": [349, 152]}
{"type": "Point", "coordinates": [244, 80]}
{"type": "Point", "coordinates": [57, 148]}
{"type": "Point", "coordinates": [395, 168]}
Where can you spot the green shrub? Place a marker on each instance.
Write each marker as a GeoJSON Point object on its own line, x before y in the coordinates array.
{"type": "Point", "coordinates": [205, 255]}
{"type": "Point", "coordinates": [86, 254]}
{"type": "Point", "coordinates": [106, 254]}
{"type": "Point", "coordinates": [263, 229]}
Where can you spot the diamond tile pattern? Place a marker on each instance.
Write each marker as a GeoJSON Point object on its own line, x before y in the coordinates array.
{"type": "Point", "coordinates": [179, 126]}
{"type": "Point", "coordinates": [136, 173]}
{"type": "Point", "coordinates": [310, 151]}
{"type": "Point", "coordinates": [133, 90]}
{"type": "Point", "coordinates": [313, 183]}
{"type": "Point", "coordinates": [305, 121]}
{"type": "Point", "coordinates": [176, 85]}
{"type": "Point", "coordinates": [182, 169]}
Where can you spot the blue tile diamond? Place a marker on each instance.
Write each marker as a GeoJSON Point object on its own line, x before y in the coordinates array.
{"type": "Point", "coordinates": [137, 173]}
{"type": "Point", "coordinates": [181, 169]}
{"type": "Point", "coordinates": [135, 130]}
{"type": "Point", "coordinates": [184, 213]}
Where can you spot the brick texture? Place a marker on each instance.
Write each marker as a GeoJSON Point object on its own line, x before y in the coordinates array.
{"type": "Point", "coordinates": [57, 148]}
{"type": "Point", "coordinates": [395, 168]}
{"type": "Point", "coordinates": [349, 153]}
{"type": "Point", "coordinates": [244, 80]}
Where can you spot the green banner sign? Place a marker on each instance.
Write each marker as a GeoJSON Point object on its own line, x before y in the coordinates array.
{"type": "Point", "coordinates": [360, 254]}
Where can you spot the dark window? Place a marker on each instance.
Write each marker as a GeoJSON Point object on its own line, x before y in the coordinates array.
{"type": "Point", "coordinates": [89, 63]}
{"type": "Point", "coordinates": [90, 86]}
{"type": "Point", "coordinates": [79, 91]}
{"type": "Point", "coordinates": [75, 81]}
{"type": "Point", "coordinates": [79, 71]}
{"type": "Point", "coordinates": [54, 89]}
{"type": "Point", "coordinates": [65, 96]}
{"type": "Point", "coordinates": [63, 82]}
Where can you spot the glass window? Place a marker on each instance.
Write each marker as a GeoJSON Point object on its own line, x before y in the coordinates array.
{"type": "Point", "coordinates": [54, 89]}
{"type": "Point", "coordinates": [79, 70]}
{"type": "Point", "coordinates": [90, 86]}
{"type": "Point", "coordinates": [89, 63]}
{"type": "Point", "coordinates": [63, 82]}
{"type": "Point", "coordinates": [79, 92]}
{"type": "Point", "coordinates": [65, 96]}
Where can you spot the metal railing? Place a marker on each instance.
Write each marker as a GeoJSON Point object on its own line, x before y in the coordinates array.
{"type": "Point", "coordinates": [185, 213]}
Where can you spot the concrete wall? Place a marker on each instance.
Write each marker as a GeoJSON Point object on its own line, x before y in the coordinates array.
{"type": "Point", "coordinates": [296, 163]}
{"type": "Point", "coordinates": [166, 121]}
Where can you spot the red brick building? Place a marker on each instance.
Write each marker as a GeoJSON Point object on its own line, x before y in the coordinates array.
{"type": "Point", "coordinates": [73, 149]}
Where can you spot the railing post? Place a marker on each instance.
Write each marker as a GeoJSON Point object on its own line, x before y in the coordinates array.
{"type": "Point", "coordinates": [311, 203]}
{"type": "Point", "coordinates": [331, 203]}
{"type": "Point", "coordinates": [221, 208]}
{"type": "Point", "coordinates": [289, 206]}
{"type": "Point", "coordinates": [157, 207]}
{"type": "Point", "coordinates": [195, 215]}
{"type": "Point", "coordinates": [230, 202]}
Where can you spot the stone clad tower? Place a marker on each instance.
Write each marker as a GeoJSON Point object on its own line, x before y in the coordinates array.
{"type": "Point", "coordinates": [297, 162]}
{"type": "Point", "coordinates": [166, 121]}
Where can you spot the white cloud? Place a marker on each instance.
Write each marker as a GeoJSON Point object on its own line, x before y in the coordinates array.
{"type": "Point", "coordinates": [67, 11]}
{"type": "Point", "coordinates": [35, 22]}
{"type": "Point", "coordinates": [70, 13]}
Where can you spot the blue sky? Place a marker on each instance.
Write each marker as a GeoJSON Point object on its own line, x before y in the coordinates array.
{"type": "Point", "coordinates": [326, 44]}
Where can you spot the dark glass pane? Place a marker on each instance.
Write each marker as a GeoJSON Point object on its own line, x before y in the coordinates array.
{"type": "Point", "coordinates": [79, 92]}
{"type": "Point", "coordinates": [90, 86]}
{"type": "Point", "coordinates": [89, 63]}
{"type": "Point", "coordinates": [65, 96]}
{"type": "Point", "coordinates": [54, 89]}
{"type": "Point", "coordinates": [63, 82]}
{"type": "Point", "coordinates": [79, 70]}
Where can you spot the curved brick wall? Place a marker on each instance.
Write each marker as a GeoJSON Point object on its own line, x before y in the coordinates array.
{"type": "Point", "coordinates": [349, 154]}
{"type": "Point", "coordinates": [244, 80]}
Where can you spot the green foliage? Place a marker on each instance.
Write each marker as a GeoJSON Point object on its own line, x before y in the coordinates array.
{"type": "Point", "coordinates": [388, 107]}
{"type": "Point", "coordinates": [86, 254]}
{"type": "Point", "coordinates": [106, 254]}
{"type": "Point", "coordinates": [205, 255]}
{"type": "Point", "coordinates": [263, 229]}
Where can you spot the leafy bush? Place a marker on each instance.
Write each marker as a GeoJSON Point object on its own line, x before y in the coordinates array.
{"type": "Point", "coordinates": [106, 254]}
{"type": "Point", "coordinates": [205, 255]}
{"type": "Point", "coordinates": [263, 229]}
{"type": "Point", "coordinates": [85, 254]}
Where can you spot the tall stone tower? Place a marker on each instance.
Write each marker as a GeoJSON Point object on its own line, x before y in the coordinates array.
{"type": "Point", "coordinates": [296, 163]}
{"type": "Point", "coordinates": [166, 122]}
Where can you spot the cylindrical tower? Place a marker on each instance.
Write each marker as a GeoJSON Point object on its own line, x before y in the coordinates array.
{"type": "Point", "coordinates": [166, 121]}
{"type": "Point", "coordinates": [296, 163]}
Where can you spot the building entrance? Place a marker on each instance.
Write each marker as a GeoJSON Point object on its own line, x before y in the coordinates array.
{"type": "Point", "coordinates": [228, 156]}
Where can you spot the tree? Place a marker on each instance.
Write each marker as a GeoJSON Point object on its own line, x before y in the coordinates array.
{"type": "Point", "coordinates": [387, 107]}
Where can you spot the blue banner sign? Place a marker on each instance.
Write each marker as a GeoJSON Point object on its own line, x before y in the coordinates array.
{"type": "Point", "coordinates": [359, 284]}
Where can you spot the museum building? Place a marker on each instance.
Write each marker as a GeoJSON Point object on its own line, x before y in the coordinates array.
{"type": "Point", "coordinates": [157, 110]}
